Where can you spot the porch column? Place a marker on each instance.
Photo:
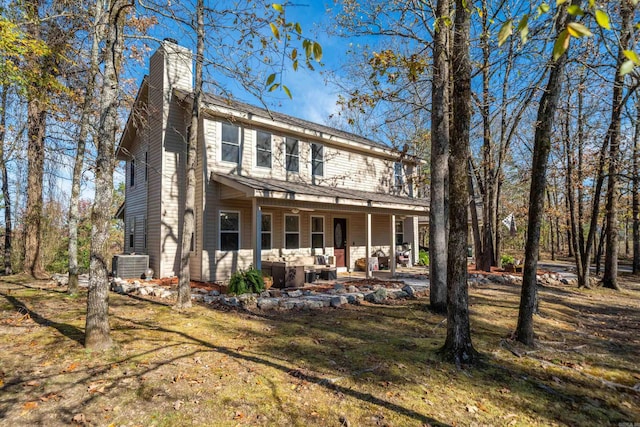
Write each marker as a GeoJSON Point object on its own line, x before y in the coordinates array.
{"type": "Point", "coordinates": [256, 235]}
{"type": "Point", "coordinates": [368, 247]}
{"type": "Point", "coordinates": [392, 245]}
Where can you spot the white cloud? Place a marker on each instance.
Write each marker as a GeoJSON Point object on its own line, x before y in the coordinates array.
{"type": "Point", "coordinates": [312, 99]}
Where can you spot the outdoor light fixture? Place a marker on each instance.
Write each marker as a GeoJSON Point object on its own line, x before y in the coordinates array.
{"type": "Point", "coordinates": [295, 210]}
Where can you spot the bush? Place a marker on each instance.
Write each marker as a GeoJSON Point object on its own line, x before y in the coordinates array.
{"type": "Point", "coordinates": [423, 257]}
{"type": "Point", "coordinates": [249, 281]}
{"type": "Point", "coordinates": [507, 259]}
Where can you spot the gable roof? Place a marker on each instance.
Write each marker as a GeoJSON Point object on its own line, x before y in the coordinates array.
{"type": "Point", "coordinates": [135, 120]}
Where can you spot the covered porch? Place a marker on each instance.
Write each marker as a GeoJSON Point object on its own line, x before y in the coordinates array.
{"type": "Point", "coordinates": [304, 225]}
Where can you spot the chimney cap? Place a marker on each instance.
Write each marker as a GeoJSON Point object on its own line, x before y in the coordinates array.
{"type": "Point", "coordinates": [171, 40]}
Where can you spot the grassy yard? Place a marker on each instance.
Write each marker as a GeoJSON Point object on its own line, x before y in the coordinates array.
{"type": "Point", "coordinates": [359, 366]}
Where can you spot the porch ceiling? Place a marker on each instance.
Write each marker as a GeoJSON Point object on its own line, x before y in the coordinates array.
{"type": "Point", "coordinates": [277, 190]}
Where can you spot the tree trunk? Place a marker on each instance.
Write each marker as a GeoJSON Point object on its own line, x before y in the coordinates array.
{"type": "Point", "coordinates": [97, 331]}
{"type": "Point", "coordinates": [184, 287]}
{"type": "Point", "coordinates": [6, 196]}
{"type": "Point", "coordinates": [458, 347]}
{"type": "Point", "coordinates": [87, 112]}
{"type": "Point", "coordinates": [569, 234]}
{"type": "Point", "coordinates": [36, 118]}
{"type": "Point", "coordinates": [601, 243]}
{"type": "Point", "coordinates": [542, 147]}
{"type": "Point", "coordinates": [571, 200]}
{"type": "Point", "coordinates": [485, 259]}
{"type": "Point", "coordinates": [438, 211]}
{"type": "Point", "coordinates": [475, 224]}
{"type": "Point", "coordinates": [610, 279]}
{"type": "Point", "coordinates": [636, 194]}
{"type": "Point", "coordinates": [551, 226]}
{"type": "Point", "coordinates": [497, 249]}
{"type": "Point", "coordinates": [36, 125]}
{"type": "Point", "coordinates": [580, 171]}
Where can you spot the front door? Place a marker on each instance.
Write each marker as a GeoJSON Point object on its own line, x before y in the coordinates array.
{"type": "Point", "coordinates": [340, 241]}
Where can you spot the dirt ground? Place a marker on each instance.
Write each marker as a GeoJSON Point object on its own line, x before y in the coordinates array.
{"type": "Point", "coordinates": [360, 365]}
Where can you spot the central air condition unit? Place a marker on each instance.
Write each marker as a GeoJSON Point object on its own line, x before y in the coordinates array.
{"type": "Point", "coordinates": [129, 266]}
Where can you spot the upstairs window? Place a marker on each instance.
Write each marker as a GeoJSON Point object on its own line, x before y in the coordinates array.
{"type": "Point", "coordinates": [398, 179]}
{"type": "Point", "coordinates": [230, 143]}
{"type": "Point", "coordinates": [292, 150]}
{"type": "Point", "coordinates": [317, 159]}
{"type": "Point", "coordinates": [229, 231]}
{"type": "Point", "coordinates": [263, 149]}
{"type": "Point", "coordinates": [132, 172]}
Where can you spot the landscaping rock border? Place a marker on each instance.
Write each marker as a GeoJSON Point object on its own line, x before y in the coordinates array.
{"type": "Point", "coordinates": [283, 299]}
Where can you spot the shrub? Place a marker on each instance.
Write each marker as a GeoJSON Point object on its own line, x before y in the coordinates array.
{"type": "Point", "coordinates": [423, 257]}
{"type": "Point", "coordinates": [249, 281]}
{"type": "Point", "coordinates": [507, 259]}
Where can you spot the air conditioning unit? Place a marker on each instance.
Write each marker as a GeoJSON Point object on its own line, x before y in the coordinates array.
{"type": "Point", "coordinates": [129, 266]}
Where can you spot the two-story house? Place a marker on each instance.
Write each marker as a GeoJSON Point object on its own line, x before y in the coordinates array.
{"type": "Point", "coordinates": [268, 185]}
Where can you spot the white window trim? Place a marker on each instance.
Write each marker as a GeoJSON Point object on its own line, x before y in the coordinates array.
{"type": "Point", "coordinates": [255, 157]}
{"type": "Point", "coordinates": [395, 234]}
{"type": "Point", "coordinates": [286, 154]}
{"type": "Point", "coordinates": [221, 143]}
{"type": "Point", "coordinates": [270, 232]}
{"type": "Point", "coordinates": [396, 175]}
{"type": "Point", "coordinates": [323, 164]}
{"type": "Point", "coordinates": [132, 234]}
{"type": "Point", "coordinates": [220, 212]}
{"type": "Point", "coordinates": [285, 232]}
{"type": "Point", "coordinates": [132, 172]}
{"type": "Point", "coordinates": [311, 232]}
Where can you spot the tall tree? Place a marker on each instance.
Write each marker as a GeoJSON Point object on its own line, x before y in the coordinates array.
{"type": "Point", "coordinates": [636, 192]}
{"type": "Point", "coordinates": [6, 196]}
{"type": "Point", "coordinates": [184, 286]}
{"type": "Point", "coordinates": [542, 147]}
{"type": "Point", "coordinates": [438, 209]}
{"type": "Point", "coordinates": [458, 347]}
{"type": "Point", "coordinates": [97, 330]}
{"type": "Point", "coordinates": [610, 278]}
{"type": "Point", "coordinates": [37, 119]}
{"type": "Point", "coordinates": [85, 122]}
{"type": "Point", "coordinates": [485, 259]}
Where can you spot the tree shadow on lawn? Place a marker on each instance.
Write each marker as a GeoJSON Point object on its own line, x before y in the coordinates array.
{"type": "Point", "coordinates": [16, 383]}
{"type": "Point", "coordinates": [371, 344]}
{"type": "Point", "coordinates": [356, 341]}
{"type": "Point", "coordinates": [306, 376]}
{"type": "Point", "coordinates": [65, 329]}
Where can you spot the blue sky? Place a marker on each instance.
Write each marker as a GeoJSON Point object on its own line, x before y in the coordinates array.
{"type": "Point", "coordinates": [313, 99]}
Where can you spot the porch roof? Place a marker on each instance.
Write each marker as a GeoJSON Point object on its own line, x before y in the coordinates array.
{"type": "Point", "coordinates": [268, 188]}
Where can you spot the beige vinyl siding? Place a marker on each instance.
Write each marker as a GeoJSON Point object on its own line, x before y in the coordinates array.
{"type": "Point", "coordinates": [343, 167]}
{"type": "Point", "coordinates": [173, 175]}
{"type": "Point", "coordinates": [195, 260]}
{"type": "Point", "coordinates": [166, 156]}
{"type": "Point", "coordinates": [135, 196]}
{"type": "Point", "coordinates": [216, 264]}
{"type": "Point", "coordinates": [156, 130]}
